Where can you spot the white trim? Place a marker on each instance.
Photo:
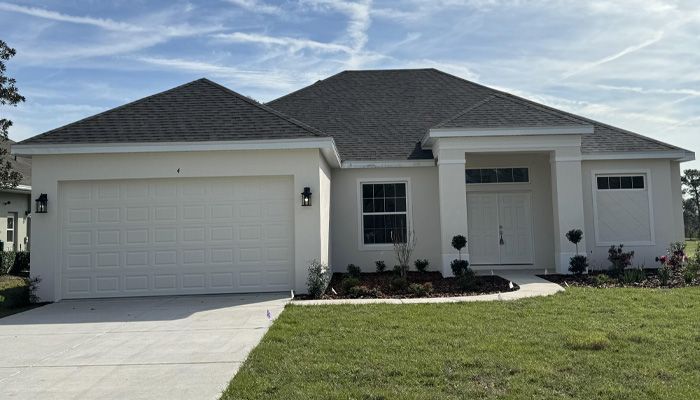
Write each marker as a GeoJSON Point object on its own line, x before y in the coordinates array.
{"type": "Point", "coordinates": [361, 246]}
{"type": "Point", "coordinates": [515, 131]}
{"type": "Point", "coordinates": [678, 155]}
{"type": "Point", "coordinates": [648, 188]}
{"type": "Point", "coordinates": [327, 146]}
{"type": "Point", "coordinates": [18, 189]}
{"type": "Point", "coordinates": [388, 163]}
{"type": "Point", "coordinates": [447, 162]}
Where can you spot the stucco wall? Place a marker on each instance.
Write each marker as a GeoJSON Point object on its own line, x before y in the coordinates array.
{"type": "Point", "coordinates": [345, 214]}
{"type": "Point", "coordinates": [303, 165]}
{"type": "Point", "coordinates": [664, 184]}
{"type": "Point", "coordinates": [540, 188]}
{"type": "Point", "coordinates": [20, 203]}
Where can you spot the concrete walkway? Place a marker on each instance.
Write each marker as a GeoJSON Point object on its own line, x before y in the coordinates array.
{"type": "Point", "coordinates": [185, 347]}
{"type": "Point", "coordinates": [530, 286]}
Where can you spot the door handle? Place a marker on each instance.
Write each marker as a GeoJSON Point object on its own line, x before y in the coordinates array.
{"type": "Point", "coordinates": [500, 235]}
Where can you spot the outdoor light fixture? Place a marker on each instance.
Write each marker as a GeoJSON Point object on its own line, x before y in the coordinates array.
{"type": "Point", "coordinates": [306, 197]}
{"type": "Point", "coordinates": [41, 203]}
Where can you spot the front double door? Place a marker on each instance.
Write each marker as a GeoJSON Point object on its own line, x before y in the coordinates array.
{"type": "Point", "coordinates": [499, 228]}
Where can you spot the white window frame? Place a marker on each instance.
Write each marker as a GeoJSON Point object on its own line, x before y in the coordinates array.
{"type": "Point", "coordinates": [647, 186]}
{"type": "Point", "coordinates": [529, 177]}
{"type": "Point", "coordinates": [360, 213]}
{"type": "Point", "coordinates": [13, 229]}
{"type": "Point", "coordinates": [644, 176]}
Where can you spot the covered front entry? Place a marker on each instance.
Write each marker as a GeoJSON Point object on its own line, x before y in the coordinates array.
{"type": "Point", "coordinates": [500, 228]}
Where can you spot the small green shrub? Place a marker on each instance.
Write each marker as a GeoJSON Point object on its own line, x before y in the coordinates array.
{"type": "Point", "coordinates": [349, 282]}
{"type": "Point", "coordinates": [354, 270]}
{"type": "Point", "coordinates": [603, 279]}
{"type": "Point", "coordinates": [419, 290]}
{"type": "Point", "coordinates": [619, 259]}
{"type": "Point", "coordinates": [578, 264]}
{"type": "Point", "coordinates": [398, 284]}
{"type": "Point", "coordinates": [14, 262]}
{"type": "Point", "coordinates": [460, 267]}
{"type": "Point", "coordinates": [422, 265]}
{"type": "Point", "coordinates": [467, 281]}
{"type": "Point", "coordinates": [363, 292]}
{"type": "Point", "coordinates": [664, 275]}
{"type": "Point", "coordinates": [688, 276]}
{"type": "Point", "coordinates": [636, 275]}
{"type": "Point", "coordinates": [381, 266]}
{"type": "Point", "coordinates": [397, 269]}
{"type": "Point", "coordinates": [318, 279]}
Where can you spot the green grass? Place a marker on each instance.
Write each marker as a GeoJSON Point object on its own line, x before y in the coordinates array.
{"type": "Point", "coordinates": [12, 290]}
{"type": "Point", "coordinates": [584, 343]}
{"type": "Point", "coordinates": [690, 246]}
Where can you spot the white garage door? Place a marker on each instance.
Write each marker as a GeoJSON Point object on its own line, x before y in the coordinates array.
{"type": "Point", "coordinates": [176, 236]}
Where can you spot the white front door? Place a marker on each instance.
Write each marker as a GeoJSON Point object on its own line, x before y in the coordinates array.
{"type": "Point", "coordinates": [500, 228]}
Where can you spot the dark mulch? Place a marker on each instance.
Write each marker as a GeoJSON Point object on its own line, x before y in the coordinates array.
{"type": "Point", "coordinates": [592, 279]}
{"type": "Point", "coordinates": [378, 286]}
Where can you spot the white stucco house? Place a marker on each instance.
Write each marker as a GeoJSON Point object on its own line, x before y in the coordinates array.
{"type": "Point", "coordinates": [198, 189]}
{"type": "Point", "coordinates": [16, 204]}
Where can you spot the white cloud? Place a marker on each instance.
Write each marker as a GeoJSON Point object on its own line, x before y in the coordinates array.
{"type": "Point", "coordinates": [292, 44]}
{"type": "Point", "coordinates": [257, 7]}
{"type": "Point", "coordinates": [103, 23]}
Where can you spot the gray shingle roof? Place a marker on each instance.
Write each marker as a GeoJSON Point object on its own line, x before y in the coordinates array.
{"type": "Point", "coordinates": [383, 114]}
{"type": "Point", "coordinates": [197, 111]}
{"type": "Point", "coordinates": [499, 111]}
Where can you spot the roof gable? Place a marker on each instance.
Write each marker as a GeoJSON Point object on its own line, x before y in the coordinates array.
{"type": "Point", "coordinates": [197, 111]}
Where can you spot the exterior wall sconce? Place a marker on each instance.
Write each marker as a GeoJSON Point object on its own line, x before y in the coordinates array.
{"type": "Point", "coordinates": [306, 197]}
{"type": "Point", "coordinates": [41, 203]}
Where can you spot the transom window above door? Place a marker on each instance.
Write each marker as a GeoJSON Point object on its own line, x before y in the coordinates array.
{"type": "Point", "coordinates": [497, 175]}
{"type": "Point", "coordinates": [384, 215]}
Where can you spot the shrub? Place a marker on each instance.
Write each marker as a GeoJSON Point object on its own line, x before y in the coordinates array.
{"type": "Point", "coordinates": [363, 291]}
{"type": "Point", "coordinates": [421, 265]}
{"type": "Point", "coordinates": [602, 280]}
{"type": "Point", "coordinates": [14, 262]}
{"type": "Point", "coordinates": [459, 242]}
{"type": "Point", "coordinates": [398, 284]}
{"type": "Point", "coordinates": [318, 279]}
{"type": "Point", "coordinates": [619, 259]}
{"type": "Point", "coordinates": [467, 281]}
{"type": "Point", "coordinates": [633, 276]}
{"type": "Point", "coordinates": [575, 236]}
{"type": "Point", "coordinates": [675, 257]}
{"type": "Point", "coordinates": [354, 270]}
{"type": "Point", "coordinates": [419, 290]}
{"type": "Point", "coordinates": [460, 267]}
{"type": "Point", "coordinates": [689, 275]}
{"type": "Point", "coordinates": [380, 265]}
{"type": "Point", "coordinates": [664, 275]}
{"type": "Point", "coordinates": [578, 264]}
{"type": "Point", "coordinates": [403, 248]}
{"type": "Point", "coordinates": [349, 282]}
{"type": "Point", "coordinates": [20, 293]}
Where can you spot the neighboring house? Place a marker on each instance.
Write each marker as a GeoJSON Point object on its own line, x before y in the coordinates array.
{"type": "Point", "coordinates": [15, 205]}
{"type": "Point", "coordinates": [198, 189]}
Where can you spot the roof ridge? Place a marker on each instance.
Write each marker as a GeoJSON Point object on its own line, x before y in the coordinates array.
{"type": "Point", "coordinates": [91, 117]}
{"type": "Point", "coordinates": [466, 110]}
{"type": "Point", "coordinates": [307, 87]}
{"type": "Point", "coordinates": [575, 116]}
{"type": "Point", "coordinates": [266, 108]}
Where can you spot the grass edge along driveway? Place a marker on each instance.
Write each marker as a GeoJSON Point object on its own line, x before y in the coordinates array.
{"type": "Point", "coordinates": [584, 343]}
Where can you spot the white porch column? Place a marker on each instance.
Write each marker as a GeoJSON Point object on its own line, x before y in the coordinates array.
{"type": "Point", "coordinates": [453, 204]}
{"type": "Point", "coordinates": [567, 204]}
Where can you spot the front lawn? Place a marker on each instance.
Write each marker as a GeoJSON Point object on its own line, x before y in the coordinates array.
{"type": "Point", "coordinates": [584, 343]}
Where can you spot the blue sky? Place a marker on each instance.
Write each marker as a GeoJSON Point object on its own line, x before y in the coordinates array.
{"type": "Point", "coordinates": [633, 64]}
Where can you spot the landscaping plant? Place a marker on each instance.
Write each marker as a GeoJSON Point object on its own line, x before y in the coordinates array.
{"type": "Point", "coordinates": [459, 267]}
{"type": "Point", "coordinates": [578, 263]}
{"type": "Point", "coordinates": [421, 265]}
{"type": "Point", "coordinates": [619, 259]}
{"type": "Point", "coordinates": [318, 279]}
{"type": "Point", "coordinates": [354, 270]}
{"type": "Point", "coordinates": [381, 266]}
{"type": "Point", "coordinates": [403, 247]}
{"type": "Point", "coordinates": [349, 282]}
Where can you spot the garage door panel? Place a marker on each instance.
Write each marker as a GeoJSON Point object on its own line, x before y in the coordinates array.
{"type": "Point", "coordinates": [141, 237]}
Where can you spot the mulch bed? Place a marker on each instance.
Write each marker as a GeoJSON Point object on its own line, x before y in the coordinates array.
{"type": "Point", "coordinates": [378, 286]}
{"type": "Point", "coordinates": [591, 280]}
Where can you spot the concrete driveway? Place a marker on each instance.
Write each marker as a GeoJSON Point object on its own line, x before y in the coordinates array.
{"type": "Point", "coordinates": [185, 347]}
